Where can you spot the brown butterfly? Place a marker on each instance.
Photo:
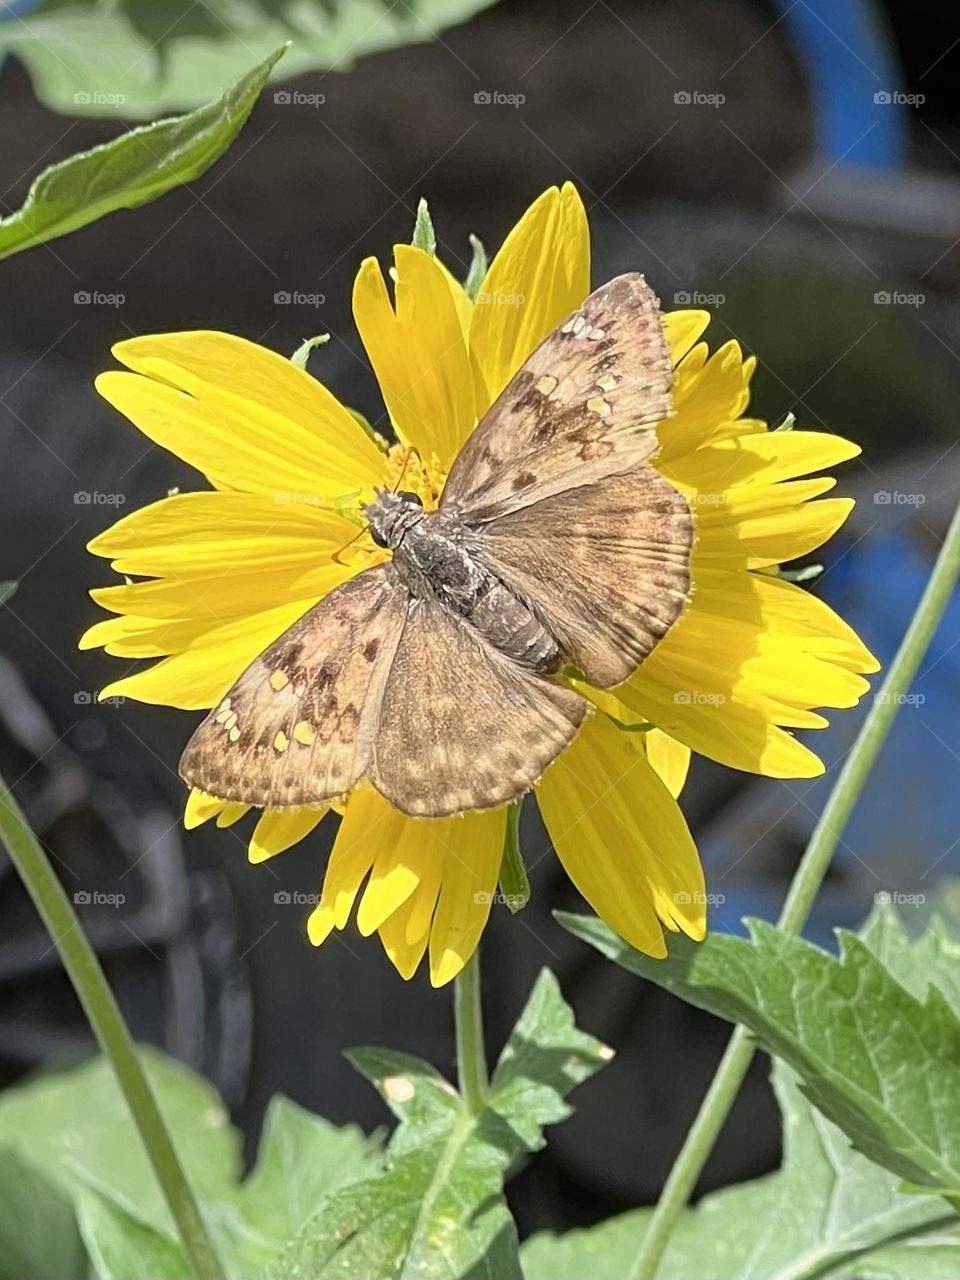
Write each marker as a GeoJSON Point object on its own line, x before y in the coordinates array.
{"type": "Point", "coordinates": [434, 676]}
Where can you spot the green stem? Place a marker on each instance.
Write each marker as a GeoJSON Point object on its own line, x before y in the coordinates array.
{"type": "Point", "coordinates": [90, 984]}
{"type": "Point", "coordinates": [468, 1016]}
{"type": "Point", "coordinates": [806, 883]}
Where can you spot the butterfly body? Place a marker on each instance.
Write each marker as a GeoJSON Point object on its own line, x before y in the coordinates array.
{"type": "Point", "coordinates": [438, 558]}
{"type": "Point", "coordinates": [433, 676]}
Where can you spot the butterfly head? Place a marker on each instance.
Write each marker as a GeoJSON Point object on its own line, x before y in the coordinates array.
{"type": "Point", "coordinates": [391, 514]}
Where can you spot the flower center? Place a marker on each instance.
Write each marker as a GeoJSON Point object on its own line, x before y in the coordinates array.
{"type": "Point", "coordinates": [403, 469]}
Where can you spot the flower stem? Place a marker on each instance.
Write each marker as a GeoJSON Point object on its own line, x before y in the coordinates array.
{"type": "Point", "coordinates": [90, 984]}
{"type": "Point", "coordinates": [468, 1016]}
{"type": "Point", "coordinates": [806, 883]}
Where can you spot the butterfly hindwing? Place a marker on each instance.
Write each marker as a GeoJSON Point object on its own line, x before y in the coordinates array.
{"type": "Point", "coordinates": [584, 405]}
{"type": "Point", "coordinates": [298, 726]}
{"type": "Point", "coordinates": [607, 565]}
{"type": "Point", "coordinates": [461, 726]}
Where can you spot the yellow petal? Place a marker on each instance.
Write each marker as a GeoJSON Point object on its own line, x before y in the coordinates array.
{"type": "Point", "coordinates": [708, 395]}
{"type": "Point", "coordinates": [200, 808]}
{"type": "Point", "coordinates": [540, 275]}
{"type": "Point", "coordinates": [669, 759]}
{"type": "Point", "coordinates": [245, 416]}
{"type": "Point", "coordinates": [280, 829]}
{"type": "Point", "coordinates": [683, 329]}
{"type": "Point", "coordinates": [473, 849]}
{"type": "Point", "coordinates": [622, 838]}
{"type": "Point", "coordinates": [232, 811]}
{"type": "Point", "coordinates": [757, 460]}
{"type": "Point", "coordinates": [418, 352]}
{"type": "Point", "coordinates": [201, 674]}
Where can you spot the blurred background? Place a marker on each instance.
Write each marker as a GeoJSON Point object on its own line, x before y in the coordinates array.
{"type": "Point", "coordinates": [792, 166]}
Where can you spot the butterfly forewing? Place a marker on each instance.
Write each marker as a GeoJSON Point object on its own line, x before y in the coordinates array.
{"type": "Point", "coordinates": [299, 725]}
{"type": "Point", "coordinates": [584, 405]}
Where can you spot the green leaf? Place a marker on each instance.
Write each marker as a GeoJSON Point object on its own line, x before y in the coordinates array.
{"type": "Point", "coordinates": [7, 590]}
{"type": "Point", "coordinates": [133, 169]}
{"type": "Point", "coordinates": [140, 57]}
{"type": "Point", "coordinates": [302, 353]}
{"type": "Point", "coordinates": [436, 1209]}
{"type": "Point", "coordinates": [881, 1061]}
{"type": "Point", "coordinates": [121, 1248]}
{"type": "Point", "coordinates": [74, 1128]}
{"type": "Point", "coordinates": [828, 1212]}
{"type": "Point", "coordinates": [514, 881]}
{"type": "Point", "coordinates": [424, 236]}
{"type": "Point", "coordinates": [38, 1234]}
{"type": "Point", "coordinates": [302, 1160]}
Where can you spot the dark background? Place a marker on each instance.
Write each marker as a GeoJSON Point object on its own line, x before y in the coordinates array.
{"type": "Point", "coordinates": [753, 200]}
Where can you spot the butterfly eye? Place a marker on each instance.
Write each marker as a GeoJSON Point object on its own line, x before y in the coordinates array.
{"type": "Point", "coordinates": [410, 497]}
{"type": "Point", "coordinates": [377, 535]}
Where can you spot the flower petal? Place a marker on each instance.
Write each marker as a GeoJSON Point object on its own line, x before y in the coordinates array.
{"type": "Point", "coordinates": [244, 416]}
{"type": "Point", "coordinates": [199, 676]}
{"type": "Point", "coordinates": [280, 829]}
{"type": "Point", "coordinates": [540, 275]}
{"type": "Point", "coordinates": [418, 352]}
{"type": "Point", "coordinates": [683, 329]}
{"type": "Point", "coordinates": [669, 759]}
{"type": "Point", "coordinates": [622, 838]}
{"type": "Point", "coordinates": [473, 846]}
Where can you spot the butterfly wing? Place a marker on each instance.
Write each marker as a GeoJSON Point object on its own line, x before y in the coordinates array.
{"type": "Point", "coordinates": [461, 726]}
{"type": "Point", "coordinates": [606, 565]}
{"type": "Point", "coordinates": [583, 406]}
{"type": "Point", "coordinates": [298, 727]}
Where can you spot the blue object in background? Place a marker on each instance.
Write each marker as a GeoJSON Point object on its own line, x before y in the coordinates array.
{"type": "Point", "coordinates": [904, 834]}
{"type": "Point", "coordinates": [849, 59]}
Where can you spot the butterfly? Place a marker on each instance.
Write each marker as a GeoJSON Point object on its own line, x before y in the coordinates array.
{"type": "Point", "coordinates": [438, 677]}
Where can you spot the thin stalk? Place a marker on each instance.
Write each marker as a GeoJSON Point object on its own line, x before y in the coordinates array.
{"type": "Point", "coordinates": [90, 984]}
{"type": "Point", "coordinates": [468, 1016]}
{"type": "Point", "coordinates": [803, 890]}
{"type": "Point", "coordinates": [514, 883]}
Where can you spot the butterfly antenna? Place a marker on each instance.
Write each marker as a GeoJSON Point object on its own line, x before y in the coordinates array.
{"type": "Point", "coordinates": [346, 546]}
{"type": "Point", "coordinates": [412, 452]}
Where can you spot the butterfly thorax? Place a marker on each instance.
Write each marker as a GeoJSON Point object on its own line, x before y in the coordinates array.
{"type": "Point", "coordinates": [435, 557]}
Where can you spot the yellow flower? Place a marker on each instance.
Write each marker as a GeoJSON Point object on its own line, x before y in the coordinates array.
{"type": "Point", "coordinates": [220, 574]}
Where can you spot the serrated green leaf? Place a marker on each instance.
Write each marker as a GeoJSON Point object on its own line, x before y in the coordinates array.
{"type": "Point", "coordinates": [436, 1210]}
{"type": "Point", "coordinates": [75, 1128]}
{"type": "Point", "coordinates": [424, 236]}
{"type": "Point", "coordinates": [302, 1160]}
{"type": "Point", "coordinates": [828, 1212]}
{"type": "Point", "coordinates": [881, 1062]}
{"type": "Point", "coordinates": [140, 57]}
{"type": "Point", "coordinates": [121, 1248]}
{"type": "Point", "coordinates": [38, 1234]}
{"type": "Point", "coordinates": [478, 269]}
{"type": "Point", "coordinates": [133, 169]}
